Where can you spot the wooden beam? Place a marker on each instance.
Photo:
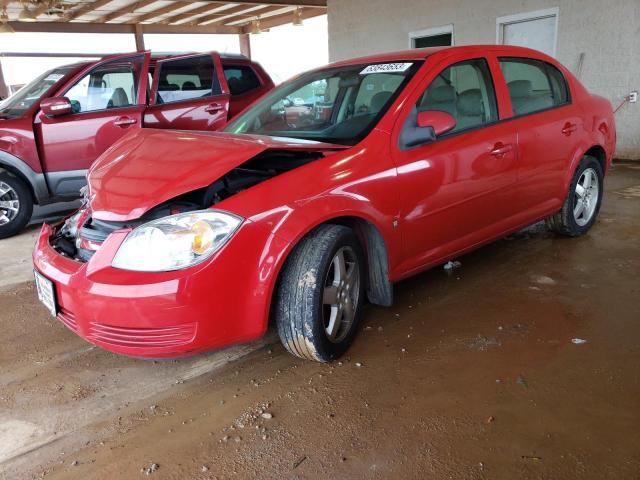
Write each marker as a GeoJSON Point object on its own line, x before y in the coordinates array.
{"type": "Point", "coordinates": [83, 10]}
{"type": "Point", "coordinates": [249, 15]}
{"type": "Point", "coordinates": [124, 11]}
{"type": "Point", "coordinates": [196, 11]}
{"type": "Point", "coordinates": [139, 34]}
{"type": "Point", "coordinates": [84, 27]}
{"type": "Point", "coordinates": [277, 20]}
{"type": "Point", "coordinates": [245, 44]}
{"type": "Point", "coordinates": [288, 3]}
{"type": "Point", "coordinates": [229, 11]}
{"type": "Point", "coordinates": [4, 88]}
{"type": "Point", "coordinates": [157, 12]}
{"type": "Point", "coordinates": [50, 55]}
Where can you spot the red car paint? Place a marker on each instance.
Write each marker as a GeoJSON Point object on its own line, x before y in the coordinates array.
{"type": "Point", "coordinates": [52, 154]}
{"type": "Point", "coordinates": [429, 204]}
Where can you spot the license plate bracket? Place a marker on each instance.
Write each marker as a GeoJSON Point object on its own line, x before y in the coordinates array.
{"type": "Point", "coordinates": [46, 293]}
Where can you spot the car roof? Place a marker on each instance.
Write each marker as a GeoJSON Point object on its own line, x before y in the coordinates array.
{"type": "Point", "coordinates": [423, 53]}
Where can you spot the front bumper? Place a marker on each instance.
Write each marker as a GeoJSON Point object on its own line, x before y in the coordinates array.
{"type": "Point", "coordinates": [222, 301]}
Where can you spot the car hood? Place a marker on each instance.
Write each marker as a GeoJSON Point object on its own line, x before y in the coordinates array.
{"type": "Point", "coordinates": [152, 166]}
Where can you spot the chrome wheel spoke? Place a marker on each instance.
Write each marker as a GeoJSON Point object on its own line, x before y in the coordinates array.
{"type": "Point", "coordinates": [4, 219]}
{"type": "Point", "coordinates": [577, 211]}
{"type": "Point", "coordinates": [4, 189]}
{"type": "Point", "coordinates": [340, 266]}
{"type": "Point", "coordinates": [580, 190]}
{"type": "Point", "coordinates": [348, 309]}
{"type": "Point", "coordinates": [334, 322]}
{"type": "Point", "coordinates": [12, 205]}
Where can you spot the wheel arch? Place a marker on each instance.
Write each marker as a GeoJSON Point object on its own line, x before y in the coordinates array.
{"type": "Point", "coordinates": [379, 288]}
{"type": "Point", "coordinates": [36, 182]}
{"type": "Point", "coordinates": [595, 150]}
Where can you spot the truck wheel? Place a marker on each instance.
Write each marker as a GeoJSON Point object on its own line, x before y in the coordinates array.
{"type": "Point", "coordinates": [320, 294]}
{"type": "Point", "coordinates": [16, 205]}
{"type": "Point", "coordinates": [583, 201]}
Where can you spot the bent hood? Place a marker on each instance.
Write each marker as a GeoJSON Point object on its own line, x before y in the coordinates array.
{"type": "Point", "coordinates": [151, 166]}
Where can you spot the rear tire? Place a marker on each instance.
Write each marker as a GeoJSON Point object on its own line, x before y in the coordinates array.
{"type": "Point", "coordinates": [16, 205]}
{"type": "Point", "coordinates": [320, 294]}
{"type": "Point", "coordinates": [581, 207]}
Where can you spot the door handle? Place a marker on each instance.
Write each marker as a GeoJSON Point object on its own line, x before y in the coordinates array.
{"type": "Point", "coordinates": [124, 121]}
{"type": "Point", "coordinates": [213, 108]}
{"type": "Point", "coordinates": [569, 128]}
{"type": "Point", "coordinates": [500, 149]}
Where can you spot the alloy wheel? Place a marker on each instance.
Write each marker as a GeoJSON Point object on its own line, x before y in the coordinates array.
{"type": "Point", "coordinates": [340, 295]}
{"type": "Point", "coordinates": [9, 203]}
{"type": "Point", "coordinates": [586, 197]}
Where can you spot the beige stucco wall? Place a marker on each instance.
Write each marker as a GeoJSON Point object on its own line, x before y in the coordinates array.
{"type": "Point", "coordinates": [606, 31]}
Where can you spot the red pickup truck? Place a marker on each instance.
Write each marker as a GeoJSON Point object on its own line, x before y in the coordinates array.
{"type": "Point", "coordinates": [53, 129]}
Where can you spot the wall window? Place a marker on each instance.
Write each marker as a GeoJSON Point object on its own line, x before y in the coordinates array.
{"type": "Point", "coordinates": [537, 30]}
{"type": "Point", "coordinates": [111, 85]}
{"type": "Point", "coordinates": [432, 37]}
{"type": "Point", "coordinates": [187, 79]}
{"type": "Point", "coordinates": [465, 91]}
{"type": "Point", "coordinates": [533, 85]}
{"type": "Point", "coordinates": [240, 78]}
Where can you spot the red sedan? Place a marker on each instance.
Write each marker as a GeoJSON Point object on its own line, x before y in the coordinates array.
{"type": "Point", "coordinates": [191, 241]}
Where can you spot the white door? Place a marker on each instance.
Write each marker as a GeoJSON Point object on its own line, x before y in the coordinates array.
{"type": "Point", "coordinates": [535, 30]}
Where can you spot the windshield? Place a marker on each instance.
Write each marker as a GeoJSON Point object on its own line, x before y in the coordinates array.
{"type": "Point", "coordinates": [23, 99]}
{"type": "Point", "coordinates": [337, 105]}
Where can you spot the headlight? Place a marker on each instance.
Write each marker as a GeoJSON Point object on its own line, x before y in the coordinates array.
{"type": "Point", "coordinates": [176, 242]}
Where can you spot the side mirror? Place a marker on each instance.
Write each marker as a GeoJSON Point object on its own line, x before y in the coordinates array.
{"type": "Point", "coordinates": [440, 122]}
{"type": "Point", "coordinates": [56, 106]}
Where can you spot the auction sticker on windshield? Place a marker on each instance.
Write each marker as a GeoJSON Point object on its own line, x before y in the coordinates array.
{"type": "Point", "coordinates": [386, 68]}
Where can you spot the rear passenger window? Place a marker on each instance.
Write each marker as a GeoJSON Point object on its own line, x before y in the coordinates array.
{"type": "Point", "coordinates": [240, 78]}
{"type": "Point", "coordinates": [464, 90]}
{"type": "Point", "coordinates": [533, 85]}
{"type": "Point", "coordinates": [186, 79]}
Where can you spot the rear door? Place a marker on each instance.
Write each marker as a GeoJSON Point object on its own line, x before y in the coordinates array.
{"type": "Point", "coordinates": [108, 101]}
{"type": "Point", "coordinates": [548, 127]}
{"type": "Point", "coordinates": [245, 84]}
{"type": "Point", "coordinates": [189, 93]}
{"type": "Point", "coordinates": [456, 191]}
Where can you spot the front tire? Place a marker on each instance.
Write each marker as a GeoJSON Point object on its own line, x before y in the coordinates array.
{"type": "Point", "coordinates": [16, 205]}
{"type": "Point", "coordinates": [582, 204]}
{"type": "Point", "coordinates": [320, 294]}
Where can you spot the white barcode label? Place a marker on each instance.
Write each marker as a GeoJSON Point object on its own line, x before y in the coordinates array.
{"type": "Point", "coordinates": [386, 68]}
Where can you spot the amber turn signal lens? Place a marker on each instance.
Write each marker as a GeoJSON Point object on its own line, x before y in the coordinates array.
{"type": "Point", "coordinates": [202, 237]}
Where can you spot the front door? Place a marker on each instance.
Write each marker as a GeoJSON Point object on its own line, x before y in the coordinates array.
{"type": "Point", "coordinates": [455, 190]}
{"type": "Point", "coordinates": [108, 102]}
{"type": "Point", "coordinates": [189, 93]}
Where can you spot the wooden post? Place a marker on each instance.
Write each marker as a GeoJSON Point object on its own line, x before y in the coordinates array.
{"type": "Point", "coordinates": [245, 44]}
{"type": "Point", "coordinates": [139, 38]}
{"type": "Point", "coordinates": [4, 89]}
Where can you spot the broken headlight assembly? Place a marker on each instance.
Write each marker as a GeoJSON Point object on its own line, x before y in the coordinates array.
{"type": "Point", "coordinates": [176, 242]}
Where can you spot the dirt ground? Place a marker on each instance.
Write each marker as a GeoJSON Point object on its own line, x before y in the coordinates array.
{"type": "Point", "coordinates": [479, 373]}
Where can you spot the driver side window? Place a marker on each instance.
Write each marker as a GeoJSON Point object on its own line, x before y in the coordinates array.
{"type": "Point", "coordinates": [465, 91]}
{"type": "Point", "coordinates": [111, 85]}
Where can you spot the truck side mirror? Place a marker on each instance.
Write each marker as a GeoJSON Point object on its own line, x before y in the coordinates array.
{"type": "Point", "coordinates": [56, 106]}
{"type": "Point", "coordinates": [440, 122]}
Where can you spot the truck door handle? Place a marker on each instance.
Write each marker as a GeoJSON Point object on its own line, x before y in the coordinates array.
{"type": "Point", "coordinates": [124, 121]}
{"type": "Point", "coordinates": [500, 149]}
{"type": "Point", "coordinates": [213, 108]}
{"type": "Point", "coordinates": [569, 128]}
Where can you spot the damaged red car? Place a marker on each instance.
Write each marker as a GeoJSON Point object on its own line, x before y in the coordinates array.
{"type": "Point", "coordinates": [193, 241]}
